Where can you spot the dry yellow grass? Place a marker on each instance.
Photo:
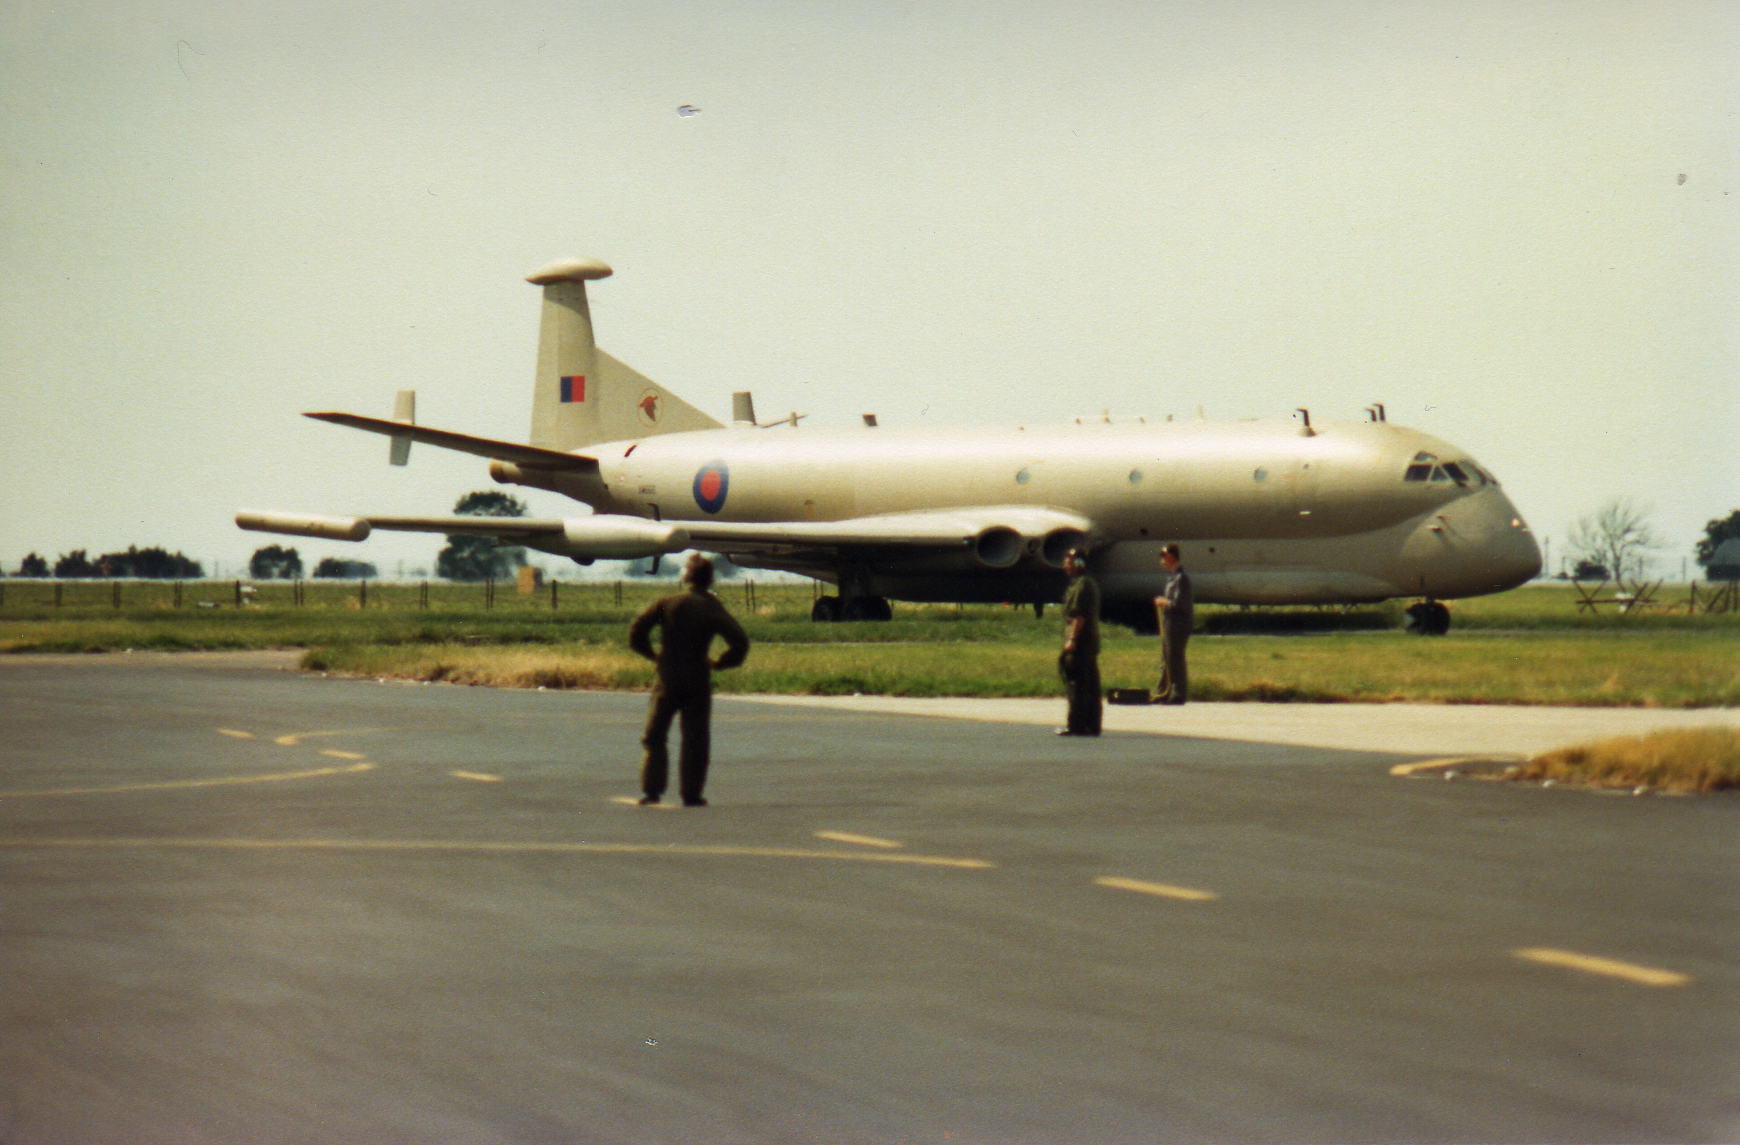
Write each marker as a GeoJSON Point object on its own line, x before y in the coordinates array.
{"type": "Point", "coordinates": [1688, 759]}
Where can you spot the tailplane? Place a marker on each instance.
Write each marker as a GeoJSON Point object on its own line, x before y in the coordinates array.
{"type": "Point", "coordinates": [582, 394]}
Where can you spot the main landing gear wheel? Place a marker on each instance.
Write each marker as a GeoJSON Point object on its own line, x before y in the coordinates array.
{"type": "Point", "coordinates": [1428, 618]}
{"type": "Point", "coordinates": [828, 609]}
{"type": "Point", "coordinates": [866, 608]}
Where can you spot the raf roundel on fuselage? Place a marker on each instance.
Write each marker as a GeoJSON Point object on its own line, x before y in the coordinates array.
{"type": "Point", "coordinates": [712, 483]}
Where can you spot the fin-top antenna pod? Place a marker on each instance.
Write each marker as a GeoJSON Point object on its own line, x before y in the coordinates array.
{"type": "Point", "coordinates": [570, 270]}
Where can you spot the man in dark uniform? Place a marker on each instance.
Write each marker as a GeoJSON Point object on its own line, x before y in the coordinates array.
{"type": "Point", "coordinates": [687, 623]}
{"type": "Point", "coordinates": [1177, 608]}
{"type": "Point", "coordinates": [1079, 663]}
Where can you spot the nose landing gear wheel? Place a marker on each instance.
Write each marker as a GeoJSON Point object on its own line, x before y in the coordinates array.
{"type": "Point", "coordinates": [1428, 618]}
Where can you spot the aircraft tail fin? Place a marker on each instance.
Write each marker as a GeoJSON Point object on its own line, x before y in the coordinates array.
{"type": "Point", "coordinates": [582, 394]}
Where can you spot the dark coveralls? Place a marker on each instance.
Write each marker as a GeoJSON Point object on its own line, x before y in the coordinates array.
{"type": "Point", "coordinates": [1080, 668]}
{"type": "Point", "coordinates": [687, 623]}
{"type": "Point", "coordinates": [1176, 620]}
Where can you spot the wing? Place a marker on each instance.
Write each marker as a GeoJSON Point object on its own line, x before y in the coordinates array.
{"type": "Point", "coordinates": [994, 537]}
{"type": "Point", "coordinates": [605, 536]}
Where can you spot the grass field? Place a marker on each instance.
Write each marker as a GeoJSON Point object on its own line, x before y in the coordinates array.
{"type": "Point", "coordinates": [1530, 646]}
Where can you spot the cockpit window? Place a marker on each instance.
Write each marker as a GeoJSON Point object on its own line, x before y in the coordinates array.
{"type": "Point", "coordinates": [1427, 467]}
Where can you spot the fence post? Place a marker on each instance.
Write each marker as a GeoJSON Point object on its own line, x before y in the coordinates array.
{"type": "Point", "coordinates": [619, 594]}
{"type": "Point", "coordinates": [238, 594]}
{"type": "Point", "coordinates": [553, 595]}
{"type": "Point", "coordinates": [423, 597]}
{"type": "Point", "coordinates": [362, 592]}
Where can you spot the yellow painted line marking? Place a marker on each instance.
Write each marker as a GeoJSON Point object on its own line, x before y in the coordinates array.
{"type": "Point", "coordinates": [1163, 890]}
{"type": "Point", "coordinates": [234, 734]}
{"type": "Point", "coordinates": [1481, 762]}
{"type": "Point", "coordinates": [334, 754]}
{"type": "Point", "coordinates": [1426, 765]}
{"type": "Point", "coordinates": [1608, 967]}
{"type": "Point", "coordinates": [295, 739]}
{"type": "Point", "coordinates": [477, 775]}
{"type": "Point", "coordinates": [484, 847]}
{"type": "Point", "coordinates": [859, 840]}
{"type": "Point", "coordinates": [315, 773]}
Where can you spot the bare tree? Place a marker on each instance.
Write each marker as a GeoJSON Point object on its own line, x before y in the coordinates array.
{"type": "Point", "coordinates": [1618, 536]}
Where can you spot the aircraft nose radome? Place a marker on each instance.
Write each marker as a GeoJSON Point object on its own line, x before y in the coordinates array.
{"type": "Point", "coordinates": [1520, 560]}
{"type": "Point", "coordinates": [1512, 556]}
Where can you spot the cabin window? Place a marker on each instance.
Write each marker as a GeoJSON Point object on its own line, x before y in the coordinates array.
{"type": "Point", "coordinates": [1023, 477]}
{"type": "Point", "coordinates": [1135, 476]}
{"type": "Point", "coordinates": [1260, 475]}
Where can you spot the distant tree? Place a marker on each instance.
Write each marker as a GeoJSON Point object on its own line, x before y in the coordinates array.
{"type": "Point", "coordinates": [334, 569]}
{"type": "Point", "coordinates": [1618, 537]}
{"type": "Point", "coordinates": [151, 564]}
{"type": "Point", "coordinates": [480, 558]}
{"type": "Point", "coordinates": [275, 562]}
{"type": "Point", "coordinates": [33, 565]}
{"type": "Point", "coordinates": [1719, 530]}
{"type": "Point", "coordinates": [74, 565]}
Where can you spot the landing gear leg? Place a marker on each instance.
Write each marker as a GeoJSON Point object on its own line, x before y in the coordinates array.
{"type": "Point", "coordinates": [855, 602]}
{"type": "Point", "coordinates": [1428, 618]}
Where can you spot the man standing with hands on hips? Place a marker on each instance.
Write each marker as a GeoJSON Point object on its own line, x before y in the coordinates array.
{"type": "Point", "coordinates": [683, 689]}
{"type": "Point", "coordinates": [1177, 608]}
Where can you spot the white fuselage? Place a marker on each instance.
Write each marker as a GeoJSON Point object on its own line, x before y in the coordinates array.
{"type": "Point", "coordinates": [1266, 512]}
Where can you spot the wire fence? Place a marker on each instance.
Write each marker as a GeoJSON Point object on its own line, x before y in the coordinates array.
{"type": "Point", "coordinates": [552, 595]}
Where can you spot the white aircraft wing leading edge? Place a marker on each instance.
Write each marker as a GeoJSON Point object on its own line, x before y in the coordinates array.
{"type": "Point", "coordinates": [994, 537]}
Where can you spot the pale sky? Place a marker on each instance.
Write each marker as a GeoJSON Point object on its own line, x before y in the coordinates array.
{"type": "Point", "coordinates": [1515, 223]}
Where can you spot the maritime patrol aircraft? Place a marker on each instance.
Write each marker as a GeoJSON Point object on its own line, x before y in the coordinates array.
{"type": "Point", "coordinates": [1266, 512]}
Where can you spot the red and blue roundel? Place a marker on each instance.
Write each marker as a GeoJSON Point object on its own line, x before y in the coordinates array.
{"type": "Point", "coordinates": [712, 483]}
